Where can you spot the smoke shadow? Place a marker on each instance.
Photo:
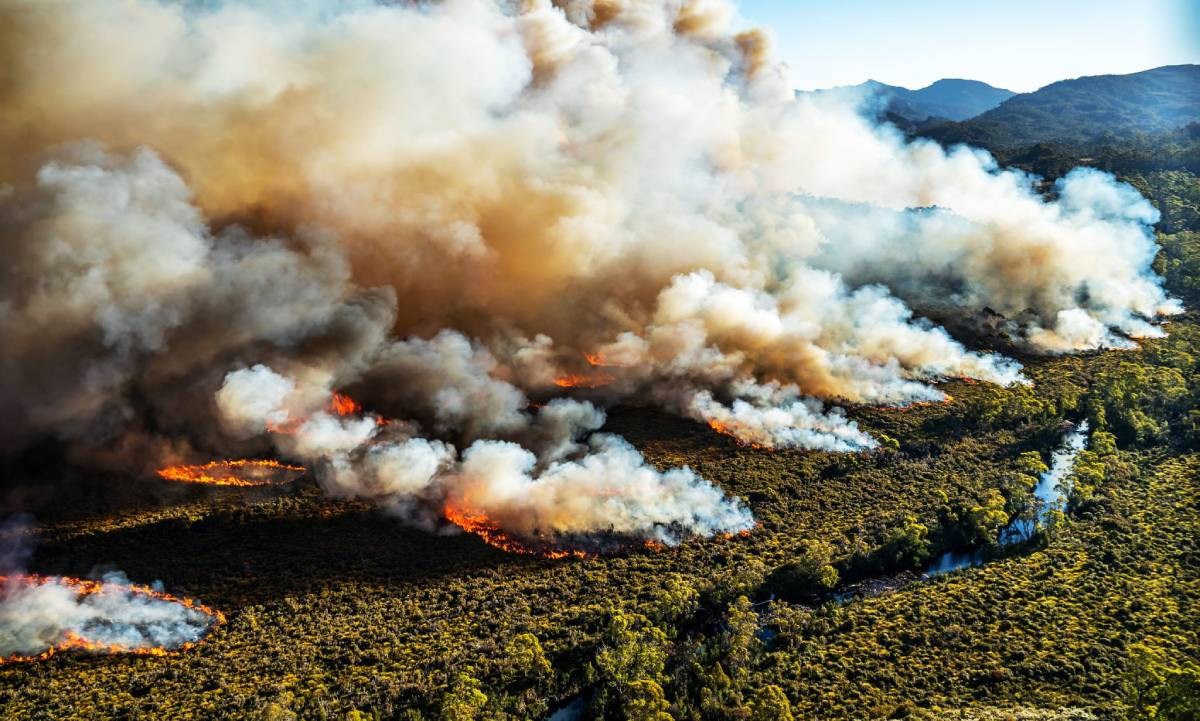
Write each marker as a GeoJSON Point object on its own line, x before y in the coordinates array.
{"type": "Point", "coordinates": [231, 561]}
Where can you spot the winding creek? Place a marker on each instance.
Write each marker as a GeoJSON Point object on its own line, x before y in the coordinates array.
{"type": "Point", "coordinates": [1051, 491]}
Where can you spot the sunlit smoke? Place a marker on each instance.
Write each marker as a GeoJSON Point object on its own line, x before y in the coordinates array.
{"type": "Point", "coordinates": [454, 212]}
{"type": "Point", "coordinates": [603, 495]}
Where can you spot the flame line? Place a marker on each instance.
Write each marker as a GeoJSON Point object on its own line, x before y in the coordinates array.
{"type": "Point", "coordinates": [72, 641]}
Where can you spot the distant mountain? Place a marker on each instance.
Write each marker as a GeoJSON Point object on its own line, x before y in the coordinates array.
{"type": "Point", "coordinates": [1084, 109]}
{"type": "Point", "coordinates": [948, 99]}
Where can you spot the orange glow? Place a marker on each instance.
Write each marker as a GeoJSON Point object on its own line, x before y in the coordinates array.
{"type": "Point", "coordinates": [598, 360]}
{"type": "Point", "coordinates": [490, 532]}
{"type": "Point", "coordinates": [340, 404]}
{"type": "Point", "coordinates": [725, 430]}
{"type": "Point", "coordinates": [84, 587]}
{"type": "Point", "coordinates": [579, 380]}
{"type": "Point", "coordinates": [241, 472]}
{"type": "Point", "coordinates": [344, 405]}
{"type": "Point", "coordinates": [487, 529]}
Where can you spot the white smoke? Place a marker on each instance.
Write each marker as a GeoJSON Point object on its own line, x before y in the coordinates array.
{"type": "Point", "coordinates": [607, 489]}
{"type": "Point", "coordinates": [610, 489]}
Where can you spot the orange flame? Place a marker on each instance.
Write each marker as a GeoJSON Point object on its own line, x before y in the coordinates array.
{"type": "Point", "coordinates": [725, 430]}
{"type": "Point", "coordinates": [487, 529]}
{"type": "Point", "coordinates": [580, 380]}
{"type": "Point", "coordinates": [241, 472]}
{"type": "Point", "coordinates": [598, 360]}
{"type": "Point", "coordinates": [339, 404]}
{"type": "Point", "coordinates": [85, 587]}
{"type": "Point", "coordinates": [343, 405]}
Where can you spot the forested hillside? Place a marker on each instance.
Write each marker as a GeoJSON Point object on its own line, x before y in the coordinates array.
{"type": "Point", "coordinates": [1086, 109]}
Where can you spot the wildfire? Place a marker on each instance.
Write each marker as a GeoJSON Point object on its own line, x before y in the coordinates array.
{"type": "Point", "coordinates": [241, 472]}
{"type": "Point", "coordinates": [75, 641]}
{"type": "Point", "coordinates": [343, 405]}
{"type": "Point", "coordinates": [725, 430]}
{"type": "Point", "coordinates": [487, 529]}
{"type": "Point", "coordinates": [581, 380]}
{"type": "Point", "coordinates": [490, 532]}
{"type": "Point", "coordinates": [339, 404]}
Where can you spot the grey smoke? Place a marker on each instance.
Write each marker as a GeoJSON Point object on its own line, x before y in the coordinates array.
{"type": "Point", "coordinates": [448, 207]}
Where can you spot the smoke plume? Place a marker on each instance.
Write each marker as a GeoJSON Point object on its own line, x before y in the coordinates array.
{"type": "Point", "coordinates": [455, 210]}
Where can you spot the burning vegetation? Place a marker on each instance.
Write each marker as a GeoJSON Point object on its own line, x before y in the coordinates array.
{"type": "Point", "coordinates": [578, 547]}
{"type": "Point", "coordinates": [240, 472]}
{"type": "Point", "coordinates": [727, 430]}
{"type": "Point", "coordinates": [46, 615]}
{"type": "Point", "coordinates": [584, 380]}
{"type": "Point", "coordinates": [491, 533]}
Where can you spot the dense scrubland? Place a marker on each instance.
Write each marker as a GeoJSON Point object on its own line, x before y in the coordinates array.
{"type": "Point", "coordinates": [338, 611]}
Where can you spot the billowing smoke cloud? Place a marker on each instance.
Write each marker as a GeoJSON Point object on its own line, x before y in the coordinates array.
{"type": "Point", "coordinates": [608, 489]}
{"type": "Point", "coordinates": [453, 209]}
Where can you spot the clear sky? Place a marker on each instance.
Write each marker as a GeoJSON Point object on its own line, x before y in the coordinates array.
{"type": "Point", "coordinates": [1016, 44]}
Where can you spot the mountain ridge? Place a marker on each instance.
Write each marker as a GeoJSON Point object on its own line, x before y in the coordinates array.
{"type": "Point", "coordinates": [947, 98]}
{"type": "Point", "coordinates": [1150, 101]}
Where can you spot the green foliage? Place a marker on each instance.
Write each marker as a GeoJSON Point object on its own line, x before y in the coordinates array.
{"type": "Point", "coordinates": [740, 637]}
{"type": "Point", "coordinates": [526, 659]}
{"type": "Point", "coordinates": [1179, 261]}
{"type": "Point", "coordinates": [1136, 401]}
{"type": "Point", "coordinates": [633, 649]}
{"type": "Point", "coordinates": [1155, 687]}
{"type": "Point", "coordinates": [1031, 464]}
{"type": "Point", "coordinates": [644, 701]}
{"type": "Point", "coordinates": [464, 700]}
{"type": "Point", "coordinates": [810, 573]}
{"type": "Point", "coordinates": [907, 544]}
{"type": "Point", "coordinates": [771, 704]}
{"type": "Point", "coordinates": [334, 608]}
{"type": "Point", "coordinates": [987, 518]}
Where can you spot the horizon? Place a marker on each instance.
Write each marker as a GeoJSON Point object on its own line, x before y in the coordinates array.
{"type": "Point", "coordinates": [1021, 46]}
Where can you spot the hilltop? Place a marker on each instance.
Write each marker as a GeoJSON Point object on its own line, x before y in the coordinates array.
{"type": "Point", "coordinates": [949, 99]}
{"type": "Point", "coordinates": [1083, 109]}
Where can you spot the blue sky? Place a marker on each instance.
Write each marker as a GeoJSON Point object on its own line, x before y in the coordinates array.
{"type": "Point", "coordinates": [1018, 44]}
